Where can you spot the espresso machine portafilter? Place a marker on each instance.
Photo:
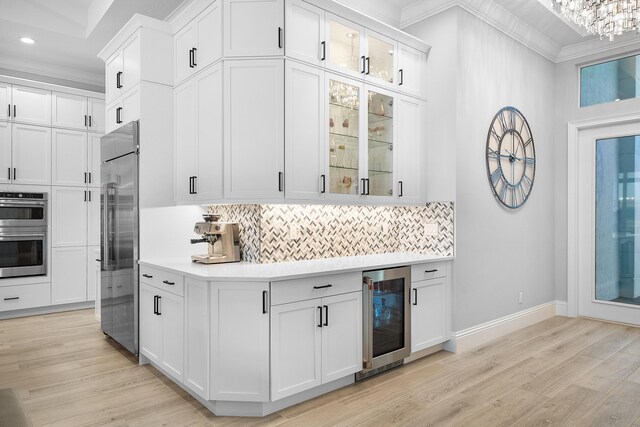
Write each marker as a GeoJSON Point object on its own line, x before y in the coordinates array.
{"type": "Point", "coordinates": [222, 238]}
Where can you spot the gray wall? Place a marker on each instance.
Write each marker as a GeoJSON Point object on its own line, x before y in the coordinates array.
{"type": "Point", "coordinates": [499, 252]}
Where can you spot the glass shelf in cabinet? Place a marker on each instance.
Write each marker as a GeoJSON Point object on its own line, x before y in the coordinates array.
{"type": "Point", "coordinates": [345, 107]}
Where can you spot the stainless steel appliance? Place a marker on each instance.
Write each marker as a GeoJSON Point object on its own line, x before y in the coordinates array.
{"type": "Point", "coordinates": [119, 260]}
{"type": "Point", "coordinates": [222, 237]}
{"type": "Point", "coordinates": [23, 234]}
{"type": "Point", "coordinates": [387, 319]}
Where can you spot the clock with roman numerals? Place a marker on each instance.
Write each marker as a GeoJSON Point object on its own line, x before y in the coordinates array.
{"type": "Point", "coordinates": [511, 158]}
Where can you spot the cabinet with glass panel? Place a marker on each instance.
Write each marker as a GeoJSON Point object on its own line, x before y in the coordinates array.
{"type": "Point", "coordinates": [360, 140]}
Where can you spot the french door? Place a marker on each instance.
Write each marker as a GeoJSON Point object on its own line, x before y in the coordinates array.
{"type": "Point", "coordinates": [608, 222]}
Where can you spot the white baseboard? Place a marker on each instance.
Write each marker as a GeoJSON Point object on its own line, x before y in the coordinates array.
{"type": "Point", "coordinates": [562, 308]}
{"type": "Point", "coordinates": [477, 335]}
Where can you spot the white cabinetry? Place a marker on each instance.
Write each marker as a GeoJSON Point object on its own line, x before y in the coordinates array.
{"type": "Point", "coordinates": [93, 160]}
{"type": "Point", "coordinates": [123, 68]}
{"type": "Point", "coordinates": [196, 339]}
{"type": "Point", "coordinates": [240, 366]}
{"type": "Point", "coordinates": [304, 132]}
{"type": "Point", "coordinates": [161, 328]}
{"type": "Point", "coordinates": [253, 28]}
{"type": "Point", "coordinates": [93, 276]}
{"type": "Point", "coordinates": [254, 129]}
{"type": "Point", "coordinates": [69, 158]}
{"type": "Point", "coordinates": [69, 111]}
{"type": "Point", "coordinates": [430, 302]}
{"type": "Point", "coordinates": [5, 99]}
{"type": "Point", "coordinates": [69, 207]}
{"type": "Point", "coordinates": [198, 127]}
{"type": "Point", "coordinates": [408, 150]}
{"type": "Point", "coordinates": [5, 152]}
{"type": "Point", "coordinates": [199, 44]}
{"type": "Point", "coordinates": [31, 155]}
{"type": "Point", "coordinates": [68, 275]}
{"type": "Point", "coordinates": [410, 70]}
{"type": "Point", "coordinates": [124, 110]}
{"type": "Point", "coordinates": [314, 340]}
{"type": "Point", "coordinates": [31, 105]}
{"type": "Point", "coordinates": [96, 113]}
{"type": "Point", "coordinates": [305, 32]}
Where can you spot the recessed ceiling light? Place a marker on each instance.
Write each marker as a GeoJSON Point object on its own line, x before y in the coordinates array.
{"type": "Point", "coordinates": [390, 52]}
{"type": "Point", "coordinates": [27, 40]}
{"type": "Point", "coordinates": [351, 35]}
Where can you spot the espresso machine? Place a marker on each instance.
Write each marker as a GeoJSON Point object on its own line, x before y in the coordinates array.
{"type": "Point", "coordinates": [222, 237]}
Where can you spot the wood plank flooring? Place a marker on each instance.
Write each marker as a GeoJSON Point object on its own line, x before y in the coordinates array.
{"type": "Point", "coordinates": [561, 372]}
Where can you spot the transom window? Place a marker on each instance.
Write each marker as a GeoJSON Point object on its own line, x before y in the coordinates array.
{"type": "Point", "coordinates": [610, 81]}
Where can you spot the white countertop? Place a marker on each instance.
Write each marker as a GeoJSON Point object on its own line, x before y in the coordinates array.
{"type": "Point", "coordinates": [245, 271]}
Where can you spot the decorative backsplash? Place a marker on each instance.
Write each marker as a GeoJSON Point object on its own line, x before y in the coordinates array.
{"type": "Point", "coordinates": [274, 233]}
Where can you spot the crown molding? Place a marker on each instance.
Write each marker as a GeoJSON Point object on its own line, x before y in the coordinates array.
{"type": "Point", "coordinates": [52, 71]}
{"type": "Point", "coordinates": [597, 47]}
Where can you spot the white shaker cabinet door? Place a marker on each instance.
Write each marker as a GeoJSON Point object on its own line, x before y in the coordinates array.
{"type": "Point", "coordinates": [183, 44]}
{"type": "Point", "coordinates": [428, 313]}
{"type": "Point", "coordinates": [186, 138]}
{"type": "Point", "coordinates": [113, 77]}
{"type": "Point", "coordinates": [305, 32]}
{"type": "Point", "coordinates": [196, 339]}
{"type": "Point", "coordinates": [240, 342]}
{"type": "Point", "coordinates": [93, 276]}
{"type": "Point", "coordinates": [409, 70]}
{"type": "Point", "coordinates": [296, 340]}
{"type": "Point", "coordinates": [131, 55]}
{"type": "Point", "coordinates": [69, 111]}
{"type": "Point", "coordinates": [31, 155]}
{"type": "Point", "coordinates": [170, 309]}
{"type": "Point", "coordinates": [31, 105]}
{"type": "Point", "coordinates": [209, 35]}
{"type": "Point", "coordinates": [5, 152]}
{"type": "Point", "coordinates": [69, 155]}
{"type": "Point", "coordinates": [254, 129]}
{"type": "Point", "coordinates": [253, 28]}
{"type": "Point", "coordinates": [5, 102]}
{"type": "Point", "coordinates": [304, 132]}
{"type": "Point", "coordinates": [68, 275]}
{"type": "Point", "coordinates": [93, 159]}
{"type": "Point", "coordinates": [96, 112]}
{"type": "Point", "coordinates": [341, 336]}
{"type": "Point", "coordinates": [69, 216]}
{"type": "Point", "coordinates": [409, 150]}
{"type": "Point", "coordinates": [150, 323]}
{"type": "Point", "coordinates": [93, 216]}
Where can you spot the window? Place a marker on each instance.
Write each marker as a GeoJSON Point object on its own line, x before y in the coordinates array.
{"type": "Point", "coordinates": [610, 81]}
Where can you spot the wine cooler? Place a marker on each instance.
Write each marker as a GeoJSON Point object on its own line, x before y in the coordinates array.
{"type": "Point", "coordinates": [386, 319]}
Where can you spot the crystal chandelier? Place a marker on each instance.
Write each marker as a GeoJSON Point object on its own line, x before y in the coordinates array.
{"type": "Point", "coordinates": [606, 18]}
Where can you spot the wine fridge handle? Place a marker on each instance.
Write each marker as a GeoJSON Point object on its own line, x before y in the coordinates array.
{"type": "Point", "coordinates": [367, 325]}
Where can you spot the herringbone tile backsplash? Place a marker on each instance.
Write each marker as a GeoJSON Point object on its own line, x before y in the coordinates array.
{"type": "Point", "coordinates": [326, 231]}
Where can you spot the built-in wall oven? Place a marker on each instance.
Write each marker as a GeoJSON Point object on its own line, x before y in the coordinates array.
{"type": "Point", "coordinates": [386, 319]}
{"type": "Point", "coordinates": [23, 234]}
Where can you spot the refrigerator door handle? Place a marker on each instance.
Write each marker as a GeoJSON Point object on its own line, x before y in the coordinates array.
{"type": "Point", "coordinates": [367, 324]}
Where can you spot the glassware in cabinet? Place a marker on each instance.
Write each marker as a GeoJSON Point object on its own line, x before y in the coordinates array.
{"type": "Point", "coordinates": [380, 144]}
{"type": "Point", "coordinates": [344, 47]}
{"type": "Point", "coordinates": [380, 59]}
{"type": "Point", "coordinates": [344, 137]}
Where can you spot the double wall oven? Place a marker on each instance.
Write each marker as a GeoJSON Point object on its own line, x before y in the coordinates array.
{"type": "Point", "coordinates": [386, 319]}
{"type": "Point", "coordinates": [23, 234]}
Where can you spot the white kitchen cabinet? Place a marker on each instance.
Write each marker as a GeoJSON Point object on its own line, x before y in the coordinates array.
{"type": "Point", "coordinates": [31, 105]}
{"type": "Point", "coordinates": [69, 207]}
{"type": "Point", "coordinates": [123, 69]}
{"type": "Point", "coordinates": [5, 99]}
{"type": "Point", "coordinates": [429, 312]}
{"type": "Point", "coordinates": [124, 110]}
{"type": "Point", "coordinates": [69, 158]}
{"type": "Point", "coordinates": [199, 137]}
{"type": "Point", "coordinates": [341, 336]}
{"type": "Point", "coordinates": [68, 275]}
{"type": "Point", "coordinates": [96, 113]}
{"type": "Point", "coordinates": [380, 59]}
{"type": "Point", "coordinates": [31, 154]}
{"type": "Point", "coordinates": [93, 216]}
{"type": "Point", "coordinates": [344, 46]}
{"type": "Point", "coordinates": [314, 342]}
{"type": "Point", "coordinates": [196, 339]}
{"type": "Point", "coordinates": [408, 150]}
{"type": "Point", "coordinates": [199, 44]}
{"type": "Point", "coordinates": [93, 160]}
{"type": "Point", "coordinates": [5, 152]}
{"type": "Point", "coordinates": [93, 276]}
{"type": "Point", "coordinates": [305, 32]}
{"type": "Point", "coordinates": [69, 111]}
{"type": "Point", "coordinates": [304, 132]}
{"type": "Point", "coordinates": [409, 70]}
{"type": "Point", "coordinates": [254, 129]}
{"type": "Point", "coordinates": [253, 28]}
{"type": "Point", "coordinates": [161, 329]}
{"type": "Point", "coordinates": [296, 348]}
{"type": "Point", "coordinates": [240, 342]}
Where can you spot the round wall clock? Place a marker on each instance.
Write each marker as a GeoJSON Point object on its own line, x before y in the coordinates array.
{"type": "Point", "coordinates": [511, 158]}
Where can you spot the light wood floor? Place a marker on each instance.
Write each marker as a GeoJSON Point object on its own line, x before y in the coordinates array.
{"type": "Point", "coordinates": [558, 372]}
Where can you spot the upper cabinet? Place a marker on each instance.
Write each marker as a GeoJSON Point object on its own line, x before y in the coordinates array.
{"type": "Point", "coordinates": [25, 104]}
{"type": "Point", "coordinates": [253, 28]}
{"type": "Point", "coordinates": [77, 112]}
{"type": "Point", "coordinates": [305, 32]}
{"type": "Point", "coordinates": [199, 43]}
{"type": "Point", "coordinates": [344, 46]}
{"type": "Point", "coordinates": [410, 70]}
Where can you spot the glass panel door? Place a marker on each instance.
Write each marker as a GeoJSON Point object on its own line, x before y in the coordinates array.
{"type": "Point", "coordinates": [388, 316]}
{"type": "Point", "coordinates": [380, 55]}
{"type": "Point", "coordinates": [380, 146]}
{"type": "Point", "coordinates": [344, 47]}
{"type": "Point", "coordinates": [344, 137]}
{"type": "Point", "coordinates": [617, 223]}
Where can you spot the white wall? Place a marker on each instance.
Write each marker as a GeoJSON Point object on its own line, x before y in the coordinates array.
{"type": "Point", "coordinates": [51, 80]}
{"type": "Point", "coordinates": [499, 252]}
{"type": "Point", "coordinates": [567, 109]}
{"type": "Point", "coordinates": [166, 232]}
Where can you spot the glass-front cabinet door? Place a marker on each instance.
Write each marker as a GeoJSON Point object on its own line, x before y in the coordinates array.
{"type": "Point", "coordinates": [345, 102]}
{"type": "Point", "coordinates": [380, 59]}
{"type": "Point", "coordinates": [380, 134]}
{"type": "Point", "coordinates": [344, 46]}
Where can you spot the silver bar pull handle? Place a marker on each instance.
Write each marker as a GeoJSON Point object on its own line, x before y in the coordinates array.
{"type": "Point", "coordinates": [367, 325]}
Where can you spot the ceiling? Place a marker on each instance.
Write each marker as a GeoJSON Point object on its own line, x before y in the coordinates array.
{"type": "Point", "coordinates": [70, 33]}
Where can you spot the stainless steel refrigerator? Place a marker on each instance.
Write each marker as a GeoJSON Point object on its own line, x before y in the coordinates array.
{"type": "Point", "coordinates": [119, 209]}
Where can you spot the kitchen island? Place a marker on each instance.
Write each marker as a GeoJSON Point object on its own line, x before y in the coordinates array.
{"type": "Point", "coordinates": [248, 339]}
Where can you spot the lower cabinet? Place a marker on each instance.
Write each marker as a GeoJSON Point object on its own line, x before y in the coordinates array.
{"type": "Point", "coordinates": [240, 341]}
{"type": "Point", "coordinates": [68, 275]}
{"type": "Point", "coordinates": [429, 313]}
{"type": "Point", "coordinates": [161, 329]}
{"type": "Point", "coordinates": [314, 342]}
